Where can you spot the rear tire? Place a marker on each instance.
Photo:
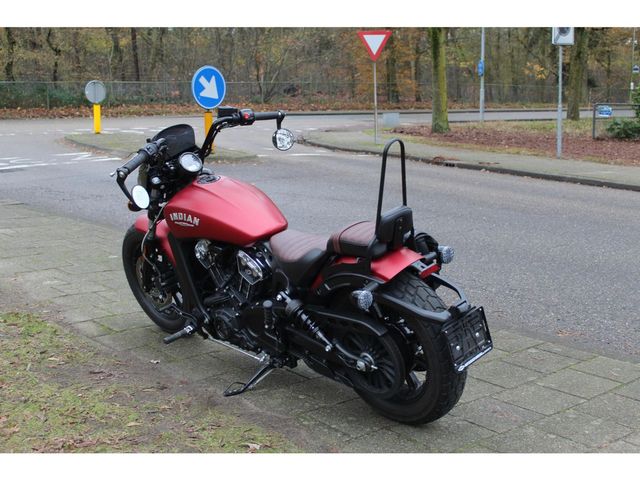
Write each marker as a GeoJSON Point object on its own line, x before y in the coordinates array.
{"type": "Point", "coordinates": [426, 401]}
{"type": "Point", "coordinates": [133, 261]}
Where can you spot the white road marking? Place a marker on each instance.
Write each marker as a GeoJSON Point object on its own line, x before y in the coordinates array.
{"type": "Point", "coordinates": [71, 154]}
{"type": "Point", "coordinates": [131, 131]}
{"type": "Point", "coordinates": [307, 154]}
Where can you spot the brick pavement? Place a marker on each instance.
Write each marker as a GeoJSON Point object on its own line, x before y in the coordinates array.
{"type": "Point", "coordinates": [529, 395]}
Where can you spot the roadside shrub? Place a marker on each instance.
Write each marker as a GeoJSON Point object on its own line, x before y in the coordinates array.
{"type": "Point", "coordinates": [627, 129]}
{"type": "Point", "coordinates": [624, 129]}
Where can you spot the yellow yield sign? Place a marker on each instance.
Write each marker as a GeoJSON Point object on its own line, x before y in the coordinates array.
{"type": "Point", "coordinates": [96, 92]}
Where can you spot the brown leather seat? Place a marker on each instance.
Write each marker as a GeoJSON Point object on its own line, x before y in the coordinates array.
{"type": "Point", "coordinates": [300, 255]}
{"type": "Point", "coordinates": [357, 240]}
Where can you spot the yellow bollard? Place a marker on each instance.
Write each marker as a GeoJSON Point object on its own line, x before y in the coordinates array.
{"type": "Point", "coordinates": [96, 118]}
{"type": "Point", "coordinates": [208, 120]}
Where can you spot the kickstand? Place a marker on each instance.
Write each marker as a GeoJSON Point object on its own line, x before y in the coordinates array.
{"type": "Point", "coordinates": [262, 372]}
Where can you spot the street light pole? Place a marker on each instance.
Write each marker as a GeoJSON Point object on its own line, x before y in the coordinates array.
{"type": "Point", "coordinates": [559, 119]}
{"type": "Point", "coordinates": [633, 51]}
{"type": "Point", "coordinates": [482, 76]}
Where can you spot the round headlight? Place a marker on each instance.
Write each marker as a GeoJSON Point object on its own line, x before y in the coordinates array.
{"type": "Point", "coordinates": [190, 162]}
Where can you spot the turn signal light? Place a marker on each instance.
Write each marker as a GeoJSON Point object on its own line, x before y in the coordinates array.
{"type": "Point", "coordinates": [445, 253]}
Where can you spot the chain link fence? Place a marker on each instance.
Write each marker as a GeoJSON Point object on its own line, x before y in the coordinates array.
{"type": "Point", "coordinates": [71, 94]}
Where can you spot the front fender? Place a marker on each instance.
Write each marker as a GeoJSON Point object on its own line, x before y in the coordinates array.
{"type": "Point", "coordinates": [162, 235]}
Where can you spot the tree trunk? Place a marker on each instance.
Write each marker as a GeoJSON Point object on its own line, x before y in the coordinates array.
{"type": "Point", "coordinates": [157, 51]}
{"type": "Point", "coordinates": [393, 92]}
{"type": "Point", "coordinates": [56, 55]}
{"type": "Point", "coordinates": [417, 72]}
{"type": "Point", "coordinates": [134, 53]}
{"type": "Point", "coordinates": [11, 45]}
{"type": "Point", "coordinates": [440, 117]}
{"type": "Point", "coordinates": [77, 58]}
{"type": "Point", "coordinates": [608, 71]}
{"type": "Point", "coordinates": [115, 59]}
{"type": "Point", "coordinates": [577, 70]}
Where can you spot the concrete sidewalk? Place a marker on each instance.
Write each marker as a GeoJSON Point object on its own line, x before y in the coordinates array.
{"type": "Point", "coordinates": [527, 396]}
{"type": "Point", "coordinates": [574, 171]}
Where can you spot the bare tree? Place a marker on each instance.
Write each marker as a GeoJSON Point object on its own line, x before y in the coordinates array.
{"type": "Point", "coordinates": [577, 71]}
{"type": "Point", "coordinates": [134, 53]}
{"type": "Point", "coordinates": [440, 115]}
{"type": "Point", "coordinates": [57, 51]}
{"type": "Point", "coordinates": [11, 47]}
{"type": "Point", "coordinates": [115, 56]}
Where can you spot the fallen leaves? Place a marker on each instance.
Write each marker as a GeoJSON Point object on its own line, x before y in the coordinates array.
{"type": "Point", "coordinates": [524, 139]}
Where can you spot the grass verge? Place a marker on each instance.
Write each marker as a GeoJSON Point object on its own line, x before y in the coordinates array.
{"type": "Point", "coordinates": [59, 395]}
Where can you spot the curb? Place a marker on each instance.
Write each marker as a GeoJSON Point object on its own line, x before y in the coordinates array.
{"type": "Point", "coordinates": [419, 111]}
{"type": "Point", "coordinates": [440, 161]}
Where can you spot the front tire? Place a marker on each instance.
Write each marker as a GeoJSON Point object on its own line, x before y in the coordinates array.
{"type": "Point", "coordinates": [156, 303]}
{"type": "Point", "coordinates": [432, 387]}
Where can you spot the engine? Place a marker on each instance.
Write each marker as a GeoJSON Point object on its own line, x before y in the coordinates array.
{"type": "Point", "coordinates": [239, 277]}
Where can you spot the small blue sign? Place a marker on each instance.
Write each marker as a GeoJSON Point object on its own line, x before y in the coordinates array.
{"type": "Point", "coordinates": [636, 69]}
{"type": "Point", "coordinates": [604, 111]}
{"type": "Point", "coordinates": [480, 68]}
{"type": "Point", "coordinates": [208, 87]}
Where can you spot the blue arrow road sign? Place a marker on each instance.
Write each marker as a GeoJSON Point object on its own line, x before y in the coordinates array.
{"type": "Point", "coordinates": [208, 87]}
{"type": "Point", "coordinates": [480, 68]}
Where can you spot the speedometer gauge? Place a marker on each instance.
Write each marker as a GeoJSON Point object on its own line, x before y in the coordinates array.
{"type": "Point", "coordinates": [190, 162]}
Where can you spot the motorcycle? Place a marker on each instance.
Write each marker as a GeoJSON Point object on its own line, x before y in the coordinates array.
{"type": "Point", "coordinates": [214, 256]}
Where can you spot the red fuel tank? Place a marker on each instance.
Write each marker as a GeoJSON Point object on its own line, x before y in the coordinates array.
{"type": "Point", "coordinates": [225, 210]}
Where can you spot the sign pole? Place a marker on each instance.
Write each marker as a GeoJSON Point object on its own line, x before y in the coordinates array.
{"type": "Point", "coordinates": [633, 51]}
{"type": "Point", "coordinates": [208, 121]}
{"type": "Point", "coordinates": [96, 118]}
{"type": "Point", "coordinates": [96, 92]}
{"type": "Point", "coordinates": [374, 41]}
{"type": "Point", "coordinates": [375, 104]}
{"type": "Point", "coordinates": [482, 77]}
{"type": "Point", "coordinates": [559, 120]}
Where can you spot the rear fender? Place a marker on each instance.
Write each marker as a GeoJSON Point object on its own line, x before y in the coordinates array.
{"type": "Point", "coordinates": [348, 271]}
{"type": "Point", "coordinates": [162, 235]}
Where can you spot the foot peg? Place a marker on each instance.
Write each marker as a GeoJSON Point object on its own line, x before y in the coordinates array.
{"type": "Point", "coordinates": [237, 388]}
{"type": "Point", "coordinates": [187, 331]}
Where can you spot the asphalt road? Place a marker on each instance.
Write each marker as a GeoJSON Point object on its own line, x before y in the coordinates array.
{"type": "Point", "coordinates": [549, 259]}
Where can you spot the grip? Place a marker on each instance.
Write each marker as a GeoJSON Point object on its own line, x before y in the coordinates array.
{"type": "Point", "coordinates": [279, 115]}
{"type": "Point", "coordinates": [137, 160]}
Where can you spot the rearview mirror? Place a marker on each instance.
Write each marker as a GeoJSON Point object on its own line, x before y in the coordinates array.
{"type": "Point", "coordinates": [140, 196]}
{"type": "Point", "coordinates": [283, 139]}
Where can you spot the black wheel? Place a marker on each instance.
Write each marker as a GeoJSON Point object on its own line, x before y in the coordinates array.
{"type": "Point", "coordinates": [382, 352]}
{"type": "Point", "coordinates": [431, 386]}
{"type": "Point", "coordinates": [143, 276]}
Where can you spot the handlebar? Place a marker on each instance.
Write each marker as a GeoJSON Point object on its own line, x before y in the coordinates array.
{"type": "Point", "coordinates": [150, 150]}
{"type": "Point", "coordinates": [232, 117]}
